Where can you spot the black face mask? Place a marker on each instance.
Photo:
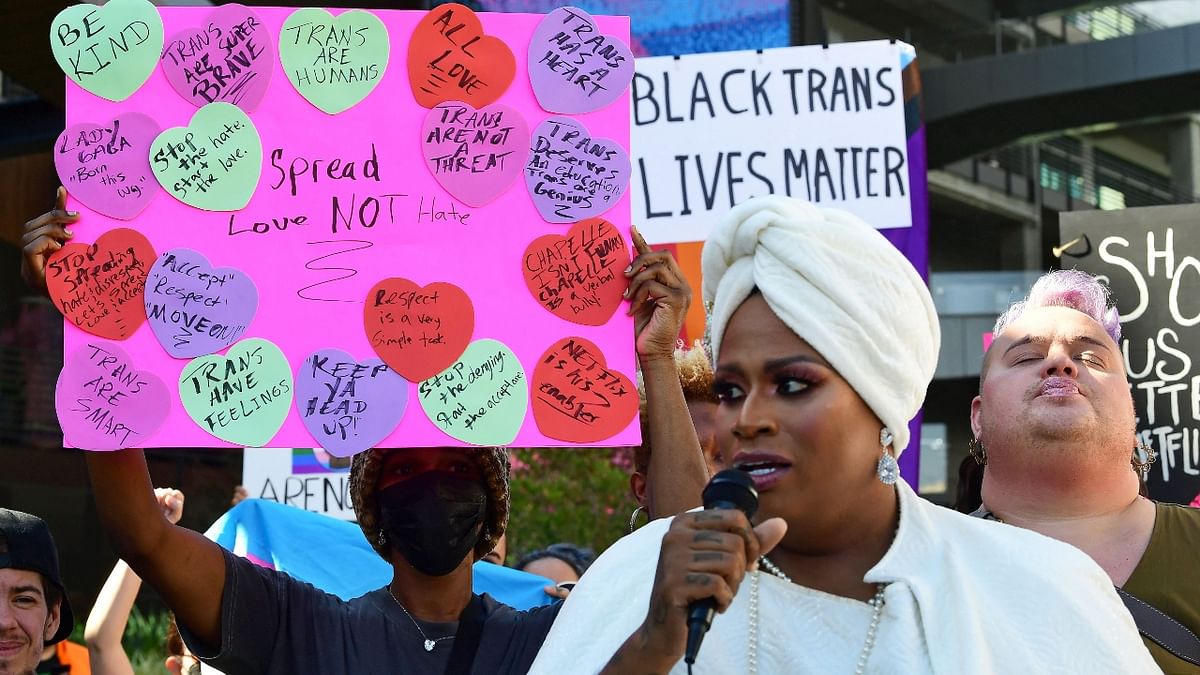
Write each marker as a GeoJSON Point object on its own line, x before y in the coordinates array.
{"type": "Point", "coordinates": [433, 519]}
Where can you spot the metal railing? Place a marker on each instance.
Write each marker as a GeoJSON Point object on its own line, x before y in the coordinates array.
{"type": "Point", "coordinates": [1086, 176]}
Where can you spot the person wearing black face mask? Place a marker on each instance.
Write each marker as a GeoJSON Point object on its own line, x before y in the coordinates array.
{"type": "Point", "coordinates": [430, 512]}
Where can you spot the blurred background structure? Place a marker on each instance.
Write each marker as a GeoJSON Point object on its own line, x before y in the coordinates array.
{"type": "Point", "coordinates": [1032, 107]}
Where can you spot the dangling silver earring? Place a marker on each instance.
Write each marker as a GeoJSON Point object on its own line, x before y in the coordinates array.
{"type": "Point", "coordinates": [382, 539]}
{"type": "Point", "coordinates": [1143, 457]}
{"type": "Point", "coordinates": [888, 469]}
{"type": "Point", "coordinates": [978, 452]}
{"type": "Point", "coordinates": [633, 518]}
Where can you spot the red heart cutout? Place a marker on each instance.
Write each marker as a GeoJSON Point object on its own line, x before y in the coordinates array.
{"type": "Point", "coordinates": [418, 332]}
{"type": "Point", "coordinates": [450, 59]}
{"type": "Point", "coordinates": [100, 287]}
{"type": "Point", "coordinates": [579, 277]}
{"type": "Point", "coordinates": [577, 398]}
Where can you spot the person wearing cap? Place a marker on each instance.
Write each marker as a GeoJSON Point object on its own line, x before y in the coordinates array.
{"type": "Point", "coordinates": [825, 339]}
{"type": "Point", "coordinates": [34, 612]}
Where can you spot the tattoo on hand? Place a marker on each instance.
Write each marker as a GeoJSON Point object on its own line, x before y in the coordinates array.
{"type": "Point", "coordinates": [707, 536]}
{"type": "Point", "coordinates": [697, 580]}
{"type": "Point", "coordinates": [660, 615]}
{"type": "Point", "coordinates": [708, 556]}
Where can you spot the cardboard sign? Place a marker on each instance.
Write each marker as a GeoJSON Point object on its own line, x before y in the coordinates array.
{"type": "Point", "coordinates": [195, 308]}
{"type": "Point", "coordinates": [334, 62]}
{"type": "Point", "coordinates": [229, 58]}
{"type": "Point", "coordinates": [576, 397]}
{"type": "Point", "coordinates": [213, 163]}
{"type": "Point", "coordinates": [450, 58]}
{"type": "Point", "coordinates": [573, 66]}
{"type": "Point", "coordinates": [99, 287]}
{"type": "Point", "coordinates": [341, 202]}
{"type": "Point", "coordinates": [579, 277]}
{"type": "Point", "coordinates": [348, 405]}
{"type": "Point", "coordinates": [242, 396]}
{"type": "Point", "coordinates": [1148, 257]}
{"type": "Point", "coordinates": [481, 398]}
{"type": "Point", "coordinates": [419, 331]}
{"type": "Point", "coordinates": [104, 402]}
{"type": "Point", "coordinates": [107, 166]}
{"type": "Point", "coordinates": [573, 175]}
{"type": "Point", "coordinates": [110, 50]}
{"type": "Point", "coordinates": [821, 123]}
{"type": "Point", "coordinates": [475, 154]}
{"type": "Point", "coordinates": [306, 478]}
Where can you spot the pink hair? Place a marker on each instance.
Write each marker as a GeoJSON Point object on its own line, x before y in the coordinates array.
{"type": "Point", "coordinates": [1067, 288]}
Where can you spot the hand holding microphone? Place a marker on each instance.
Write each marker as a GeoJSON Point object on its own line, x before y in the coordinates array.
{"type": "Point", "coordinates": [704, 556]}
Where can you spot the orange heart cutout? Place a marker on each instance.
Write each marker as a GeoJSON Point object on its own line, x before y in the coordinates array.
{"type": "Point", "coordinates": [450, 59]}
{"type": "Point", "coordinates": [579, 277]}
{"type": "Point", "coordinates": [101, 287]}
{"type": "Point", "coordinates": [418, 332]}
{"type": "Point", "coordinates": [577, 398]}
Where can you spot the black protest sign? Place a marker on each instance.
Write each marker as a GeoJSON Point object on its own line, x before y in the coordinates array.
{"type": "Point", "coordinates": [1148, 258]}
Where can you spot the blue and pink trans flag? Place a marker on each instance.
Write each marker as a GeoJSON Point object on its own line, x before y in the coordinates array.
{"type": "Point", "coordinates": [283, 538]}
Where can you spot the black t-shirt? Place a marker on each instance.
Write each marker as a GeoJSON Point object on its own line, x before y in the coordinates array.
{"type": "Point", "coordinates": [272, 624]}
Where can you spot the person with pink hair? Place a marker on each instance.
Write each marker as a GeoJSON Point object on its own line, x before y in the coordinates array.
{"type": "Point", "coordinates": [1055, 434]}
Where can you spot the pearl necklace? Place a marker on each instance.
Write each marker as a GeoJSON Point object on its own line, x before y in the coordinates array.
{"type": "Point", "coordinates": [429, 644]}
{"type": "Point", "coordinates": [875, 602]}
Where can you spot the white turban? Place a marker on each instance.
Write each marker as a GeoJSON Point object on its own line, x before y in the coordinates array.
{"type": "Point", "coordinates": [840, 286]}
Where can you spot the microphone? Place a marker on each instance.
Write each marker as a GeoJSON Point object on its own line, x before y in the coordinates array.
{"type": "Point", "coordinates": [729, 489]}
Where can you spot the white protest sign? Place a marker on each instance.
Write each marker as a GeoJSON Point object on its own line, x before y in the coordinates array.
{"type": "Point", "coordinates": [310, 479]}
{"type": "Point", "coordinates": [825, 124]}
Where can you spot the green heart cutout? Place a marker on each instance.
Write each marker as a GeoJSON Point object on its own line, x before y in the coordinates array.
{"type": "Point", "coordinates": [110, 50]}
{"type": "Point", "coordinates": [333, 62]}
{"type": "Point", "coordinates": [481, 398]}
{"type": "Point", "coordinates": [214, 162]}
{"type": "Point", "coordinates": [242, 397]}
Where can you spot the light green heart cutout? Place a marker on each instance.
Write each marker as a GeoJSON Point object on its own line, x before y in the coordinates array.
{"type": "Point", "coordinates": [242, 397]}
{"type": "Point", "coordinates": [333, 62]}
{"type": "Point", "coordinates": [481, 398]}
{"type": "Point", "coordinates": [111, 50]}
{"type": "Point", "coordinates": [214, 162]}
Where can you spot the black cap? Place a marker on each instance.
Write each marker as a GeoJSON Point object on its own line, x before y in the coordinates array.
{"type": "Point", "coordinates": [26, 544]}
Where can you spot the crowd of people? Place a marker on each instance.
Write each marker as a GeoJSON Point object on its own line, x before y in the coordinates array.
{"type": "Point", "coordinates": [823, 340]}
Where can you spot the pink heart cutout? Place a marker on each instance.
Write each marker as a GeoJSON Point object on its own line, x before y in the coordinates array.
{"type": "Point", "coordinates": [229, 59]}
{"type": "Point", "coordinates": [573, 67]}
{"type": "Point", "coordinates": [107, 166]}
{"type": "Point", "coordinates": [104, 403]}
{"type": "Point", "coordinates": [475, 154]}
{"type": "Point", "coordinates": [572, 176]}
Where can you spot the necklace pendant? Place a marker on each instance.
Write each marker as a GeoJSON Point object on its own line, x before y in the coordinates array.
{"type": "Point", "coordinates": [429, 645]}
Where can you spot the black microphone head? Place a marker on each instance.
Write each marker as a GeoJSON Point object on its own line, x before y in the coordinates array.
{"type": "Point", "coordinates": [731, 488]}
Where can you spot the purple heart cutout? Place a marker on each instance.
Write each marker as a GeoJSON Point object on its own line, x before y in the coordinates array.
{"type": "Point", "coordinates": [197, 309]}
{"type": "Point", "coordinates": [572, 176]}
{"type": "Point", "coordinates": [230, 59]}
{"type": "Point", "coordinates": [474, 154]}
{"type": "Point", "coordinates": [573, 67]}
{"type": "Point", "coordinates": [347, 405]}
{"type": "Point", "coordinates": [104, 403]}
{"type": "Point", "coordinates": [107, 166]}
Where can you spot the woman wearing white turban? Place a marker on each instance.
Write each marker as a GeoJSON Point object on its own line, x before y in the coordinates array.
{"type": "Point", "coordinates": [825, 339]}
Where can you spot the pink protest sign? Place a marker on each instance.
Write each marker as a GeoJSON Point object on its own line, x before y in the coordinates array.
{"type": "Point", "coordinates": [345, 201]}
{"type": "Point", "coordinates": [475, 154]}
{"type": "Point", "coordinates": [227, 58]}
{"type": "Point", "coordinates": [573, 66]}
{"type": "Point", "coordinates": [104, 402]}
{"type": "Point", "coordinates": [107, 165]}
